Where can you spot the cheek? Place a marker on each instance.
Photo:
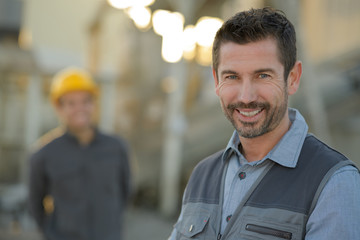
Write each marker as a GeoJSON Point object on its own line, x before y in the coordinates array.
{"type": "Point", "coordinates": [274, 90]}
{"type": "Point", "coordinates": [225, 90]}
{"type": "Point", "coordinates": [65, 111]}
{"type": "Point", "coordinates": [90, 108]}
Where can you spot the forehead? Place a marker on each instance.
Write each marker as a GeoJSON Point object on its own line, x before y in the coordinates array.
{"type": "Point", "coordinates": [76, 96]}
{"type": "Point", "coordinates": [259, 54]}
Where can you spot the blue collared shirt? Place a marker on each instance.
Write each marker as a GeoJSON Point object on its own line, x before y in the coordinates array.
{"type": "Point", "coordinates": [337, 213]}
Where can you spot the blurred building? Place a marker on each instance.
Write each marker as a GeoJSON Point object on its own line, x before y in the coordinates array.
{"type": "Point", "coordinates": [159, 106]}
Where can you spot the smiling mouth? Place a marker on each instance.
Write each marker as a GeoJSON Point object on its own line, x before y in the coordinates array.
{"type": "Point", "coordinates": [249, 114]}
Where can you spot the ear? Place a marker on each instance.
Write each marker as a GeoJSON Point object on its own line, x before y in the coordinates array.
{"type": "Point", "coordinates": [58, 109]}
{"type": "Point", "coordinates": [216, 81]}
{"type": "Point", "coordinates": [294, 78]}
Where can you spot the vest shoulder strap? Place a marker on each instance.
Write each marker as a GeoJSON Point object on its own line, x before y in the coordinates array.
{"type": "Point", "coordinates": [204, 185]}
{"type": "Point", "coordinates": [296, 188]}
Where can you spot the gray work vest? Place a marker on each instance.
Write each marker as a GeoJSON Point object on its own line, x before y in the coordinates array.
{"type": "Point", "coordinates": [276, 207]}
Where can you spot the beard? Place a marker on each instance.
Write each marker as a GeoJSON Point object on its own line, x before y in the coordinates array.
{"type": "Point", "coordinates": [273, 117]}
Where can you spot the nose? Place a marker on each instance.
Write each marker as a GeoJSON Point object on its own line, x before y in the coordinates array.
{"type": "Point", "coordinates": [246, 91]}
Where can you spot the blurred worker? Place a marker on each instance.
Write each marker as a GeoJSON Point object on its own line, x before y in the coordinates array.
{"type": "Point", "coordinates": [80, 181]}
{"type": "Point", "coordinates": [273, 180]}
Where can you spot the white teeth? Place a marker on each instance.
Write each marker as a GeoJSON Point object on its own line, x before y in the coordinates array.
{"type": "Point", "coordinates": [250, 114]}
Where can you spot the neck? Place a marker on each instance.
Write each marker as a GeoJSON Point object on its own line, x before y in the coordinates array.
{"type": "Point", "coordinates": [84, 135]}
{"type": "Point", "coordinates": [257, 148]}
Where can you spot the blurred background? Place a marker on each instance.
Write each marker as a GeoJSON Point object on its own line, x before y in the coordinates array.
{"type": "Point", "coordinates": [152, 60]}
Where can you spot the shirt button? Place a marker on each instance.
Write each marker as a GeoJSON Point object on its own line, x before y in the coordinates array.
{"type": "Point", "coordinates": [242, 175]}
{"type": "Point", "coordinates": [228, 218]}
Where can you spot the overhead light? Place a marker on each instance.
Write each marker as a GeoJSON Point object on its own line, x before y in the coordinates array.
{"type": "Point", "coordinates": [120, 4]}
{"type": "Point", "coordinates": [140, 15]}
{"type": "Point", "coordinates": [189, 42]}
{"type": "Point", "coordinates": [166, 22]}
{"type": "Point", "coordinates": [206, 29]}
{"type": "Point", "coordinates": [123, 4]}
{"type": "Point", "coordinates": [170, 50]}
{"type": "Point", "coordinates": [143, 3]}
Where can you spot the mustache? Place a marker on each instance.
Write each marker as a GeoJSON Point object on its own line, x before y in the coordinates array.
{"type": "Point", "coordinates": [251, 105]}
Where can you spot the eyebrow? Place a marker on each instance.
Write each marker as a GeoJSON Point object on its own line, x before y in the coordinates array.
{"type": "Point", "coordinates": [264, 70]}
{"type": "Point", "coordinates": [255, 72]}
{"type": "Point", "coordinates": [228, 72]}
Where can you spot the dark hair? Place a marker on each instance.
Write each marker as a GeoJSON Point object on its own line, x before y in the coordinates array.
{"type": "Point", "coordinates": [255, 25]}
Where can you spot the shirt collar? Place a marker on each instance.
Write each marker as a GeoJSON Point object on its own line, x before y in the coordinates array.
{"type": "Point", "coordinates": [289, 145]}
{"type": "Point", "coordinates": [232, 146]}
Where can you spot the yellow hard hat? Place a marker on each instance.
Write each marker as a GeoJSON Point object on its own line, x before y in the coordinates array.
{"type": "Point", "coordinates": [69, 80]}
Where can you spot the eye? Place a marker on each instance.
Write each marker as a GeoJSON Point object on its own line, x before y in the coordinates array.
{"type": "Point", "coordinates": [231, 77]}
{"type": "Point", "coordinates": [263, 75]}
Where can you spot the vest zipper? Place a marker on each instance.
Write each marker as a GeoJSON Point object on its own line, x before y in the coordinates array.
{"type": "Point", "coordinates": [268, 231]}
{"type": "Point", "coordinates": [219, 236]}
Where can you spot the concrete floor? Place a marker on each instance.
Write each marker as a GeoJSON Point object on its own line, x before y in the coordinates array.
{"type": "Point", "coordinates": [139, 224]}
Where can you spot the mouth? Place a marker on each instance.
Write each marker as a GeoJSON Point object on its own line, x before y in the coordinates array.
{"type": "Point", "coordinates": [249, 113]}
{"type": "Point", "coordinates": [246, 115]}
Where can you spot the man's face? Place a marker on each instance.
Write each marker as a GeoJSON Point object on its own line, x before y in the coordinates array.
{"type": "Point", "coordinates": [251, 87]}
{"type": "Point", "coordinates": [76, 110]}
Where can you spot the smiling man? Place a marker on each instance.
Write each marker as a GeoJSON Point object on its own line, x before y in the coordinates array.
{"type": "Point", "coordinates": [274, 180]}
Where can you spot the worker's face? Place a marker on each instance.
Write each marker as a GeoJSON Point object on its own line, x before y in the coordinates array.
{"type": "Point", "coordinates": [76, 110]}
{"type": "Point", "coordinates": [251, 87]}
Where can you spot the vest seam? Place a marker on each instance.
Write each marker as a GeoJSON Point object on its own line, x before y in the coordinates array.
{"type": "Point", "coordinates": [278, 206]}
{"type": "Point", "coordinates": [324, 181]}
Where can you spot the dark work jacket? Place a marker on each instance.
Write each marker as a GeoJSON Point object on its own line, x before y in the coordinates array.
{"type": "Point", "coordinates": [89, 186]}
{"type": "Point", "coordinates": [276, 207]}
